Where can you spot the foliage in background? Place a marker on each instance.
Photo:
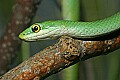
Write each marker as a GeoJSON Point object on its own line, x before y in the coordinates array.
{"type": "Point", "coordinates": [5, 9]}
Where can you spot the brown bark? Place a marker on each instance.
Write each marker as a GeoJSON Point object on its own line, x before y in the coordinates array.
{"type": "Point", "coordinates": [64, 53]}
{"type": "Point", "coordinates": [22, 14]}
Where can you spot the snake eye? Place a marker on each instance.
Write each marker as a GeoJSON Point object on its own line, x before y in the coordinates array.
{"type": "Point", "coordinates": [36, 28]}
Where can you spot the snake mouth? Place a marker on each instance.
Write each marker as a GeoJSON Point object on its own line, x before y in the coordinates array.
{"type": "Point", "coordinates": [43, 35]}
{"type": "Point", "coordinates": [32, 39]}
{"type": "Point", "coordinates": [24, 38]}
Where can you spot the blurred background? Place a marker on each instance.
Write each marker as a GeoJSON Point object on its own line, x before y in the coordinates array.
{"type": "Point", "coordinates": [106, 67]}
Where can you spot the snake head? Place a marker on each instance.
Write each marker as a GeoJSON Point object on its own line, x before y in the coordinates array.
{"type": "Point", "coordinates": [39, 31]}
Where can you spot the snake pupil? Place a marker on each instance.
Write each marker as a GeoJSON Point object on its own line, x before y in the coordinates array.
{"type": "Point", "coordinates": [35, 28]}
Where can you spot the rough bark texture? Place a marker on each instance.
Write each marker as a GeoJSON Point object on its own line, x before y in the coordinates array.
{"type": "Point", "coordinates": [65, 52]}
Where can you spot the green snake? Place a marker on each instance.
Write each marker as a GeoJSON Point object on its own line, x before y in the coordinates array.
{"type": "Point", "coordinates": [54, 29]}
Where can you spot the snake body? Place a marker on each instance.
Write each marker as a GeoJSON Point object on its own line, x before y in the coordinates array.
{"type": "Point", "coordinates": [54, 29]}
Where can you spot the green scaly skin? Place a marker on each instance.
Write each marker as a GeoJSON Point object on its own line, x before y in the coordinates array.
{"type": "Point", "coordinates": [54, 29]}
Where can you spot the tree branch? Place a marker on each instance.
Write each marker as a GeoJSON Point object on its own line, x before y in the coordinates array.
{"type": "Point", "coordinates": [22, 14]}
{"type": "Point", "coordinates": [64, 53]}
